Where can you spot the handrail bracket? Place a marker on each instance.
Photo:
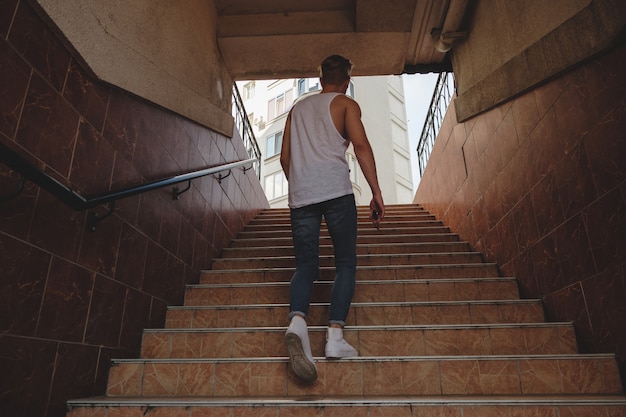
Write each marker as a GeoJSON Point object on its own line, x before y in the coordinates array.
{"type": "Point", "coordinates": [94, 218]}
{"type": "Point", "coordinates": [18, 190]}
{"type": "Point", "coordinates": [176, 192]}
{"type": "Point", "coordinates": [220, 177]}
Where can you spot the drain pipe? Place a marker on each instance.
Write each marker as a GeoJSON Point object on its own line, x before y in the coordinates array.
{"type": "Point", "coordinates": [449, 33]}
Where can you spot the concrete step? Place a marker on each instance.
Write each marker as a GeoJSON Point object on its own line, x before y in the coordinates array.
{"type": "Point", "coordinates": [431, 340]}
{"type": "Point", "coordinates": [361, 314]}
{"type": "Point", "coordinates": [414, 259]}
{"type": "Point", "coordinates": [441, 333]}
{"type": "Point", "coordinates": [362, 222]}
{"type": "Point", "coordinates": [368, 376]}
{"type": "Point", "coordinates": [284, 248]}
{"type": "Point", "coordinates": [412, 290]}
{"type": "Point", "coordinates": [366, 230]}
{"type": "Point", "coordinates": [381, 273]}
{"type": "Point", "coordinates": [392, 210]}
{"type": "Point", "coordinates": [362, 217]}
{"type": "Point", "coordinates": [356, 406]}
{"type": "Point", "coordinates": [362, 239]}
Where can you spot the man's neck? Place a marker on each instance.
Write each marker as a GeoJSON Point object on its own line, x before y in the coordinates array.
{"type": "Point", "coordinates": [334, 88]}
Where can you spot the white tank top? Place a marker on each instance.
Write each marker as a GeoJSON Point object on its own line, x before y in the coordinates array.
{"type": "Point", "coordinates": [318, 169]}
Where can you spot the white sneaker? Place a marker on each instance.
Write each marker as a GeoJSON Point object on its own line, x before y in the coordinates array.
{"type": "Point", "coordinates": [336, 346]}
{"type": "Point", "coordinates": [299, 348]}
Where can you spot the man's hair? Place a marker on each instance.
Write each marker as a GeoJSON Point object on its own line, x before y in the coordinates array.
{"type": "Point", "coordinates": [335, 69]}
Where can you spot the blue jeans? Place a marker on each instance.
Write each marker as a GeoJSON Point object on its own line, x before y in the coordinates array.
{"type": "Point", "coordinates": [341, 219]}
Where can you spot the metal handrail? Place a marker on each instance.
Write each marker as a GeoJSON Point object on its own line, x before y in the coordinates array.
{"type": "Point", "coordinates": [78, 202]}
{"type": "Point", "coordinates": [436, 112]}
{"type": "Point", "coordinates": [242, 122]}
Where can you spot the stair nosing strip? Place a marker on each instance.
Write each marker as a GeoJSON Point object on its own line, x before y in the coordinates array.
{"type": "Point", "coordinates": [364, 281]}
{"type": "Point", "coordinates": [368, 235]}
{"type": "Point", "coordinates": [329, 401]}
{"type": "Point", "coordinates": [360, 220]}
{"type": "Point", "coordinates": [256, 359]}
{"type": "Point", "coordinates": [522, 301]}
{"type": "Point", "coordinates": [363, 255]}
{"type": "Point", "coordinates": [386, 227]}
{"type": "Point", "coordinates": [389, 327]}
{"type": "Point", "coordinates": [360, 267]}
{"type": "Point", "coordinates": [363, 245]}
{"type": "Point", "coordinates": [363, 229]}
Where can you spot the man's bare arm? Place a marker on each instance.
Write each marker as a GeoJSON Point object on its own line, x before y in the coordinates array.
{"type": "Point", "coordinates": [285, 151]}
{"type": "Point", "coordinates": [363, 150]}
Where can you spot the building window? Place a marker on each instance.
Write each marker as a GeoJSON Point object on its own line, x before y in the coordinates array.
{"type": "Point", "coordinates": [302, 82]}
{"type": "Point", "coordinates": [273, 144]}
{"type": "Point", "coordinates": [280, 104]}
{"type": "Point", "coordinates": [315, 87]}
{"type": "Point", "coordinates": [276, 185]}
{"type": "Point", "coordinates": [248, 90]}
{"type": "Point", "coordinates": [271, 109]}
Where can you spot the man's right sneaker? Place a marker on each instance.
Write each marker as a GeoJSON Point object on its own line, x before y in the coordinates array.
{"type": "Point", "coordinates": [299, 348]}
{"type": "Point", "coordinates": [336, 346]}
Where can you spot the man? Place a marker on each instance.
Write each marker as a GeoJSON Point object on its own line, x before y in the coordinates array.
{"type": "Point", "coordinates": [317, 133]}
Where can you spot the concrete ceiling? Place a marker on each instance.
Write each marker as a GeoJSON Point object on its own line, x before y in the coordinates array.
{"type": "Point", "coordinates": [270, 39]}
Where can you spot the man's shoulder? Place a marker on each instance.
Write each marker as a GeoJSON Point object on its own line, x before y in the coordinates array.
{"type": "Point", "coordinates": [344, 100]}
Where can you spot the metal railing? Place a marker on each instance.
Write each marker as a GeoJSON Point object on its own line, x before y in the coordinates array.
{"type": "Point", "coordinates": [444, 89]}
{"type": "Point", "coordinates": [242, 122]}
{"type": "Point", "coordinates": [78, 202]}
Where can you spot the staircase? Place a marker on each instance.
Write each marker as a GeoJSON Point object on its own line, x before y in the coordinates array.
{"type": "Point", "coordinates": [439, 332]}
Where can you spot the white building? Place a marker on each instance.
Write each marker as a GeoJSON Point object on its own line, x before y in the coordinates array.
{"type": "Point", "coordinates": [384, 117]}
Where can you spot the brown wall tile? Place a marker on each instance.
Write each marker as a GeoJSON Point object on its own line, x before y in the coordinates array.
{"type": "Point", "coordinates": [41, 48]}
{"type": "Point", "coordinates": [89, 98]}
{"type": "Point", "coordinates": [13, 84]}
{"type": "Point", "coordinates": [48, 126]}
{"type": "Point", "coordinates": [104, 323]}
{"type": "Point", "coordinates": [23, 272]}
{"type": "Point", "coordinates": [91, 294]}
{"type": "Point", "coordinates": [66, 302]}
{"type": "Point", "coordinates": [544, 195]}
{"type": "Point", "coordinates": [93, 161]}
{"type": "Point", "coordinates": [31, 362]}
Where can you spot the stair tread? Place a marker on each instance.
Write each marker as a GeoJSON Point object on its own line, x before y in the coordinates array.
{"type": "Point", "coordinates": [363, 230]}
{"type": "Point", "coordinates": [364, 281]}
{"type": "Point", "coordinates": [362, 223]}
{"type": "Point", "coordinates": [414, 358]}
{"type": "Point", "coordinates": [360, 267]}
{"type": "Point", "coordinates": [367, 327]}
{"type": "Point", "coordinates": [263, 244]}
{"type": "Point", "coordinates": [465, 343]}
{"type": "Point", "coordinates": [364, 255]}
{"type": "Point", "coordinates": [373, 259]}
{"type": "Point", "coordinates": [399, 235]}
{"type": "Point", "coordinates": [566, 399]}
{"type": "Point", "coordinates": [370, 375]}
{"type": "Point", "coordinates": [365, 304]}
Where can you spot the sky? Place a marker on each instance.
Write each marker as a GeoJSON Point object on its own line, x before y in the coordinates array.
{"type": "Point", "coordinates": [418, 91]}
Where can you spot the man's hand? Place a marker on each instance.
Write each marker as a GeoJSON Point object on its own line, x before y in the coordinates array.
{"type": "Point", "coordinates": [377, 210]}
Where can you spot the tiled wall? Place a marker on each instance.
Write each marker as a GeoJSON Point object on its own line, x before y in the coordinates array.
{"type": "Point", "coordinates": [539, 185]}
{"type": "Point", "coordinates": [71, 299]}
